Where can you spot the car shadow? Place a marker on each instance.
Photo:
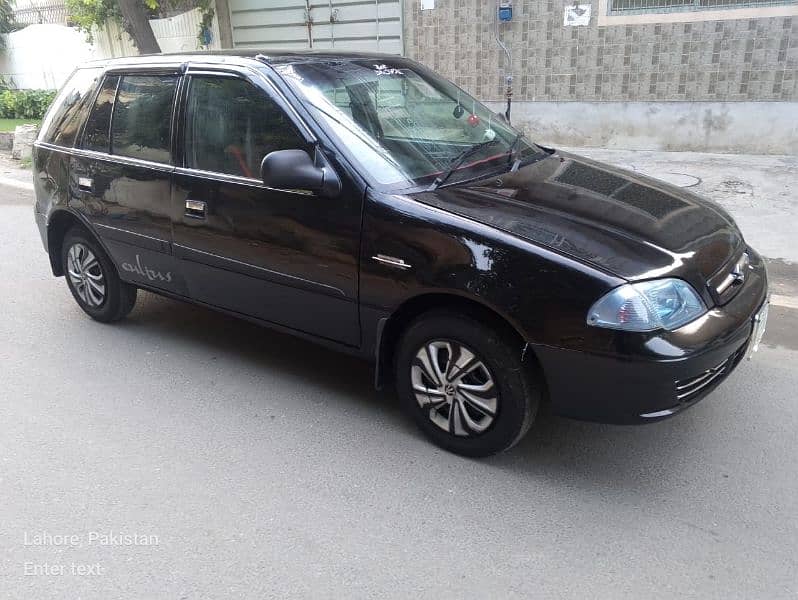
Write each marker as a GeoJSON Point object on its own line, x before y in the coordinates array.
{"type": "Point", "coordinates": [259, 347]}
{"type": "Point", "coordinates": [576, 453]}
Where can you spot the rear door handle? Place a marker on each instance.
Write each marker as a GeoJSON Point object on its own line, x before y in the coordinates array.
{"type": "Point", "coordinates": [85, 184]}
{"type": "Point", "coordinates": [195, 208]}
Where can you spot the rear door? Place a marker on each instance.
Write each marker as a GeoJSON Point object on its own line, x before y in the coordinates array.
{"type": "Point", "coordinates": [285, 256]}
{"type": "Point", "coordinates": [121, 174]}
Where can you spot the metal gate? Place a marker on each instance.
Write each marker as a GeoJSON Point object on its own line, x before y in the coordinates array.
{"type": "Point", "coordinates": [368, 25]}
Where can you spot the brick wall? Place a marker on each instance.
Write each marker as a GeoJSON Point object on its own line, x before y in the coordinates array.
{"type": "Point", "coordinates": [734, 60]}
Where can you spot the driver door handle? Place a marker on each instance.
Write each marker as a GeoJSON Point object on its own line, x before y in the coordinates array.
{"type": "Point", "coordinates": [195, 209]}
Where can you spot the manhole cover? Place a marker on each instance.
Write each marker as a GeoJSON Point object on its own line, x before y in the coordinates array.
{"type": "Point", "coordinates": [678, 179]}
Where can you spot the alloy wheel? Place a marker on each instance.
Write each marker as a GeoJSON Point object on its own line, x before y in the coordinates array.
{"type": "Point", "coordinates": [86, 275]}
{"type": "Point", "coordinates": [454, 387]}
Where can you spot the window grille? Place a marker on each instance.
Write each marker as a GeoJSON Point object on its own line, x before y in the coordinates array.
{"type": "Point", "coordinates": [626, 7]}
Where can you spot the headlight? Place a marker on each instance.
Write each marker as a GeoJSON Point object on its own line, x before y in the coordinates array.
{"type": "Point", "coordinates": [648, 305]}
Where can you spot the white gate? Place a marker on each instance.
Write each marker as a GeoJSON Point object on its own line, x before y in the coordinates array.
{"type": "Point", "coordinates": [367, 25]}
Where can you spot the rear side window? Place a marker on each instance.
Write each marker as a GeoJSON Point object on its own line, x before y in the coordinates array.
{"type": "Point", "coordinates": [70, 107]}
{"type": "Point", "coordinates": [95, 136]}
{"type": "Point", "coordinates": [231, 125]}
{"type": "Point", "coordinates": [142, 116]}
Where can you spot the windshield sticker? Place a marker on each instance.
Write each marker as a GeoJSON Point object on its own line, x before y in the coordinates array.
{"type": "Point", "coordinates": [386, 70]}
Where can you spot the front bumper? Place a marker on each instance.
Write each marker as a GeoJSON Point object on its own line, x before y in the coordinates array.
{"type": "Point", "coordinates": [679, 367]}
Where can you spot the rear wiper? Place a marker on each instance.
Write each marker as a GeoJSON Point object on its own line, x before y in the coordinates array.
{"type": "Point", "coordinates": [458, 160]}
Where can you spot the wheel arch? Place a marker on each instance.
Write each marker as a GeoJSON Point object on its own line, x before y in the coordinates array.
{"type": "Point", "coordinates": [390, 329]}
{"type": "Point", "coordinates": [58, 224]}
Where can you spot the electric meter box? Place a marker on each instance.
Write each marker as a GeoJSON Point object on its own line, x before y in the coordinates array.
{"type": "Point", "coordinates": [505, 11]}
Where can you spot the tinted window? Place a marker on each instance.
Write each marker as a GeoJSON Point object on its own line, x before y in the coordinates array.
{"type": "Point", "coordinates": [95, 136]}
{"type": "Point", "coordinates": [142, 116]}
{"type": "Point", "coordinates": [69, 109]}
{"type": "Point", "coordinates": [231, 125]}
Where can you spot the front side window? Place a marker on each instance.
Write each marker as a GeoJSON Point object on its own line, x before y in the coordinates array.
{"type": "Point", "coordinates": [95, 135]}
{"type": "Point", "coordinates": [142, 117]}
{"type": "Point", "coordinates": [403, 124]}
{"type": "Point", "coordinates": [231, 125]}
{"type": "Point", "coordinates": [69, 109]}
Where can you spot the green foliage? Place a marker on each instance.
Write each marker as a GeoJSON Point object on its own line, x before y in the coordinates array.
{"type": "Point", "coordinates": [87, 14]}
{"type": "Point", "coordinates": [25, 104]}
{"type": "Point", "coordinates": [206, 21]}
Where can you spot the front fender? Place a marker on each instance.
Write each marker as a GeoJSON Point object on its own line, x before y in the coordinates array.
{"type": "Point", "coordinates": [543, 295]}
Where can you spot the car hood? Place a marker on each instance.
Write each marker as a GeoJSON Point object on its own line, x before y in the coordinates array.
{"type": "Point", "coordinates": [625, 223]}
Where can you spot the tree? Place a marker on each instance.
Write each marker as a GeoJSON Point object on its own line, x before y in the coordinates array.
{"type": "Point", "coordinates": [6, 20]}
{"type": "Point", "coordinates": [133, 15]}
{"type": "Point", "coordinates": [137, 23]}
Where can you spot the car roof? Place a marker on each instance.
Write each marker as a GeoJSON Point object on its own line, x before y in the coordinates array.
{"type": "Point", "coordinates": [241, 56]}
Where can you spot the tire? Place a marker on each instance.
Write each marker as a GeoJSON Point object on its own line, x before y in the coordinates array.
{"type": "Point", "coordinates": [495, 382]}
{"type": "Point", "coordinates": [93, 279]}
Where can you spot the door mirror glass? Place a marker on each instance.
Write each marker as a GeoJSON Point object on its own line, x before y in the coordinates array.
{"type": "Point", "coordinates": [296, 170]}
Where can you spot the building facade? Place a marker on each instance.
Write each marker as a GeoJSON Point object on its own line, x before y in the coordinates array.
{"type": "Point", "coordinates": [653, 78]}
{"type": "Point", "coordinates": [707, 75]}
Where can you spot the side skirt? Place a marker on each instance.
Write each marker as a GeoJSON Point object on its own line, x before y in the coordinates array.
{"type": "Point", "coordinates": [331, 344]}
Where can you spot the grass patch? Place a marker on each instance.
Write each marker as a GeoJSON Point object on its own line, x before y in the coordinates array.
{"type": "Point", "coordinates": [10, 124]}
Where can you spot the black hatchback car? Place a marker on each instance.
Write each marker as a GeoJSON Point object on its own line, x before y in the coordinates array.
{"type": "Point", "coordinates": [366, 203]}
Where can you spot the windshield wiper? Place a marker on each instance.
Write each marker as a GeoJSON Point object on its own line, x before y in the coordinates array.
{"type": "Point", "coordinates": [459, 160]}
{"type": "Point", "coordinates": [514, 147]}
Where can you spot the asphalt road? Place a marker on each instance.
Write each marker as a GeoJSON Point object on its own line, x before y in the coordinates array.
{"type": "Point", "coordinates": [228, 461]}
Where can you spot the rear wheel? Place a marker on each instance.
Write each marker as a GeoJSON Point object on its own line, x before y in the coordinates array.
{"type": "Point", "coordinates": [93, 280]}
{"type": "Point", "coordinates": [464, 384]}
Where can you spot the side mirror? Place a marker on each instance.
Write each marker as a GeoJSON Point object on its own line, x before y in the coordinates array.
{"type": "Point", "coordinates": [296, 170]}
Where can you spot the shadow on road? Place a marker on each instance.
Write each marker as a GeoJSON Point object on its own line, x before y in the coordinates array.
{"type": "Point", "coordinates": [579, 454]}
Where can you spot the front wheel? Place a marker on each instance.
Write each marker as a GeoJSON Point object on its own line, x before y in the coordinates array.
{"type": "Point", "coordinates": [464, 384]}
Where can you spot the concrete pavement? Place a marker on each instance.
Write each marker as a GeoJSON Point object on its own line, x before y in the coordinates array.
{"type": "Point", "coordinates": [256, 465]}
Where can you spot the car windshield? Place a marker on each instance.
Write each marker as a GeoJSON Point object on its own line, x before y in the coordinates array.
{"type": "Point", "coordinates": [405, 125]}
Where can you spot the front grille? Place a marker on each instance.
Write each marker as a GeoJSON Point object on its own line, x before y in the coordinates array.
{"type": "Point", "coordinates": [689, 389]}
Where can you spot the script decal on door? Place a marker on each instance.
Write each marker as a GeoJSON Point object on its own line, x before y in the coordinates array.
{"type": "Point", "coordinates": [145, 271]}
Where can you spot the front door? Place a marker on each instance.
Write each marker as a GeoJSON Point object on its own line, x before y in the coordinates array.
{"type": "Point", "coordinates": [120, 176]}
{"type": "Point", "coordinates": [283, 256]}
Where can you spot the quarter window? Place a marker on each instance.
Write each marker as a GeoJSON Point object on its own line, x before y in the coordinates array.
{"type": "Point", "coordinates": [95, 136]}
{"type": "Point", "coordinates": [69, 109]}
{"type": "Point", "coordinates": [142, 117]}
{"type": "Point", "coordinates": [231, 125]}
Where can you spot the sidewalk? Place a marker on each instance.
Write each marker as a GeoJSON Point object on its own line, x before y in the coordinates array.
{"type": "Point", "coordinates": [12, 173]}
